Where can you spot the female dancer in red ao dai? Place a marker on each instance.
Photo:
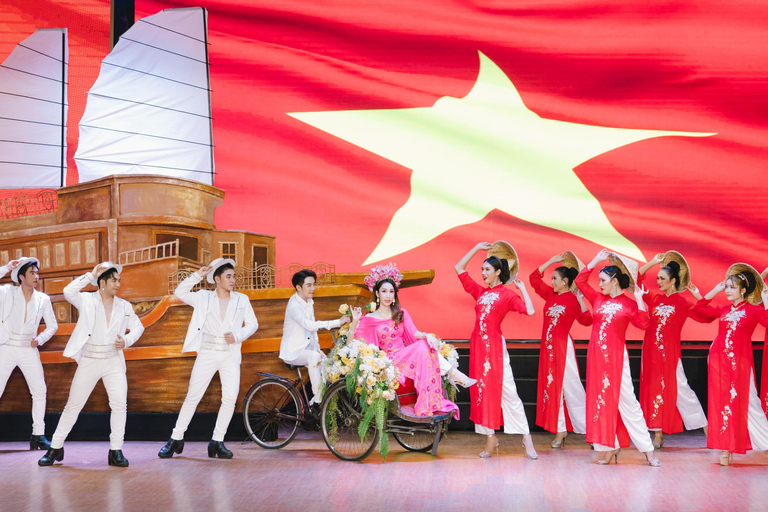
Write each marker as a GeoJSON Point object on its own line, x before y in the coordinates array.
{"type": "Point", "coordinates": [737, 423]}
{"type": "Point", "coordinates": [559, 382]}
{"type": "Point", "coordinates": [391, 329]}
{"type": "Point", "coordinates": [495, 393]}
{"type": "Point", "coordinates": [612, 409]}
{"type": "Point", "coordinates": [665, 396]}
{"type": "Point", "coordinates": [764, 374]}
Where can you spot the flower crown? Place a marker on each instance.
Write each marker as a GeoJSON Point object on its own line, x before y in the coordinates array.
{"type": "Point", "coordinates": [381, 272]}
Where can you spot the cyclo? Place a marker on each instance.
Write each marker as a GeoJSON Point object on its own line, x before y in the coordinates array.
{"type": "Point", "coordinates": [275, 407]}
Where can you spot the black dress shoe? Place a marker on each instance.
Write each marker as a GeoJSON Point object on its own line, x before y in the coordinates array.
{"type": "Point", "coordinates": [53, 455]}
{"type": "Point", "coordinates": [115, 458]}
{"type": "Point", "coordinates": [171, 447]}
{"type": "Point", "coordinates": [39, 443]}
{"type": "Point", "coordinates": [217, 449]}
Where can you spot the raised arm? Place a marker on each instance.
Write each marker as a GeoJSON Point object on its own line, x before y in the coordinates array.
{"type": "Point", "coordinates": [655, 261]}
{"type": "Point", "coordinates": [694, 291]}
{"type": "Point", "coordinates": [585, 316]}
{"type": "Point", "coordinates": [461, 266]}
{"type": "Point", "coordinates": [541, 288]}
{"type": "Point", "coordinates": [527, 298]}
{"type": "Point", "coordinates": [299, 315]}
{"type": "Point", "coordinates": [72, 290]}
{"type": "Point", "coordinates": [184, 290]}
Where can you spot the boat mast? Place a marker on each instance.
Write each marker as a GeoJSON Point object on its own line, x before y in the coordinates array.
{"type": "Point", "coordinates": [208, 76]}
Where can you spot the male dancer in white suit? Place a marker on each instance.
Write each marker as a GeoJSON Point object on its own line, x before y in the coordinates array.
{"type": "Point", "coordinates": [300, 345]}
{"type": "Point", "coordinates": [221, 321]}
{"type": "Point", "coordinates": [21, 308]}
{"type": "Point", "coordinates": [97, 345]}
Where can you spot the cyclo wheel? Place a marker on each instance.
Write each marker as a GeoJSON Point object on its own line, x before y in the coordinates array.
{"type": "Point", "coordinates": [345, 412]}
{"type": "Point", "coordinates": [272, 413]}
{"type": "Point", "coordinates": [417, 441]}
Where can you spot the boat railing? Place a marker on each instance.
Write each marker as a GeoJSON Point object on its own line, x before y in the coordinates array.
{"type": "Point", "coordinates": [153, 252]}
{"type": "Point", "coordinates": [27, 205]}
{"type": "Point", "coordinates": [261, 277]}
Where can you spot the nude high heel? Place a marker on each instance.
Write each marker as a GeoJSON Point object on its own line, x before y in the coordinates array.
{"type": "Point", "coordinates": [613, 454]}
{"type": "Point", "coordinates": [559, 441]}
{"type": "Point", "coordinates": [487, 454]}
{"type": "Point", "coordinates": [461, 379]}
{"type": "Point", "coordinates": [530, 451]}
{"type": "Point", "coordinates": [726, 458]}
{"type": "Point", "coordinates": [658, 441]}
{"type": "Point", "coordinates": [653, 462]}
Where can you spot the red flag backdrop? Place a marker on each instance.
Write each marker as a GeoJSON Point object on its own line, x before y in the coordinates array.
{"type": "Point", "coordinates": [698, 67]}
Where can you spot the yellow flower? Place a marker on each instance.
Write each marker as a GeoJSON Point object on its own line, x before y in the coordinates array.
{"type": "Point", "coordinates": [358, 390]}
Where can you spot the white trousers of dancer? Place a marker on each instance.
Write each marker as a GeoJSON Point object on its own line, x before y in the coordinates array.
{"type": "Point", "coordinates": [89, 371]}
{"type": "Point", "coordinates": [311, 359]}
{"type": "Point", "coordinates": [631, 414]}
{"type": "Point", "coordinates": [512, 409]}
{"type": "Point", "coordinates": [572, 394]}
{"type": "Point", "coordinates": [207, 363]}
{"type": "Point", "coordinates": [757, 422]}
{"type": "Point", "coordinates": [687, 403]}
{"type": "Point", "coordinates": [28, 361]}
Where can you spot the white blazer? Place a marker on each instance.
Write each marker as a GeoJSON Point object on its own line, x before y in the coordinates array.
{"type": "Point", "coordinates": [86, 305]}
{"type": "Point", "coordinates": [243, 321]}
{"type": "Point", "coordinates": [300, 328]}
{"type": "Point", "coordinates": [42, 306]}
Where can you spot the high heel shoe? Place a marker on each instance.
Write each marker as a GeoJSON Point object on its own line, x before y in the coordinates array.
{"type": "Point", "coordinates": [726, 458]}
{"type": "Point", "coordinates": [461, 379]}
{"type": "Point", "coordinates": [559, 441]}
{"type": "Point", "coordinates": [487, 454]}
{"type": "Point", "coordinates": [530, 451]}
{"type": "Point", "coordinates": [614, 454]}
{"type": "Point", "coordinates": [654, 462]}
{"type": "Point", "coordinates": [658, 441]}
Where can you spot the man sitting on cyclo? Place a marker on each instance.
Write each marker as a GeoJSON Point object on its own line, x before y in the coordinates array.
{"type": "Point", "coordinates": [300, 345]}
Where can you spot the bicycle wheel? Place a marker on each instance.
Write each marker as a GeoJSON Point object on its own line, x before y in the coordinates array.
{"type": "Point", "coordinates": [344, 412]}
{"type": "Point", "coordinates": [420, 439]}
{"type": "Point", "coordinates": [272, 413]}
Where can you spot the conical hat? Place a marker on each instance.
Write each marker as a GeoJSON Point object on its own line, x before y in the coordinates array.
{"type": "Point", "coordinates": [504, 251]}
{"type": "Point", "coordinates": [685, 271]}
{"type": "Point", "coordinates": [743, 268]}
{"type": "Point", "coordinates": [572, 261]}
{"type": "Point", "coordinates": [627, 266]}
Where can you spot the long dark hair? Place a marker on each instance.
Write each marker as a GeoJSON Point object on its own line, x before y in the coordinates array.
{"type": "Point", "coordinates": [499, 264]}
{"type": "Point", "coordinates": [613, 271]}
{"type": "Point", "coordinates": [568, 273]}
{"type": "Point", "coordinates": [673, 271]}
{"type": "Point", "coordinates": [397, 311]}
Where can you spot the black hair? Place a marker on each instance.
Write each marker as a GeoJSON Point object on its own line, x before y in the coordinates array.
{"type": "Point", "coordinates": [568, 273]}
{"type": "Point", "coordinates": [612, 271]}
{"type": "Point", "coordinates": [222, 269]}
{"type": "Point", "coordinates": [107, 274]}
{"type": "Point", "coordinates": [744, 279]}
{"type": "Point", "coordinates": [499, 264]}
{"type": "Point", "coordinates": [397, 312]}
{"type": "Point", "coordinates": [23, 269]}
{"type": "Point", "coordinates": [301, 276]}
{"type": "Point", "coordinates": [673, 271]}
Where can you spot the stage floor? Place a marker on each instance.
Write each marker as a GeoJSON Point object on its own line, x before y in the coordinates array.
{"type": "Point", "coordinates": [306, 476]}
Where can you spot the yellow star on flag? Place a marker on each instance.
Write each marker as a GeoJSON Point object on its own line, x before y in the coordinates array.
{"type": "Point", "coordinates": [482, 152]}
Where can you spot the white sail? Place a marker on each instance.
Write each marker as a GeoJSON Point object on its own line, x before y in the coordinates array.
{"type": "Point", "coordinates": [149, 111]}
{"type": "Point", "coordinates": [33, 112]}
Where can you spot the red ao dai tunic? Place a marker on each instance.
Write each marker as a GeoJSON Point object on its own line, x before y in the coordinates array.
{"type": "Point", "coordinates": [486, 363]}
{"type": "Point", "coordinates": [560, 311]}
{"type": "Point", "coordinates": [661, 354]}
{"type": "Point", "coordinates": [731, 366]}
{"type": "Point", "coordinates": [605, 360]}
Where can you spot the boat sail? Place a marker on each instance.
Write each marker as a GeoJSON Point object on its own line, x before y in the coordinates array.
{"type": "Point", "coordinates": [149, 111]}
{"type": "Point", "coordinates": [33, 112]}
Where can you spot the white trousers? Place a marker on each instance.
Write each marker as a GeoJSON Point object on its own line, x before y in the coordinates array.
{"type": "Point", "coordinates": [28, 361]}
{"type": "Point", "coordinates": [573, 394]}
{"type": "Point", "coordinates": [687, 403]}
{"type": "Point", "coordinates": [757, 422]}
{"type": "Point", "coordinates": [89, 371]}
{"type": "Point", "coordinates": [311, 359]}
{"type": "Point", "coordinates": [631, 414]}
{"type": "Point", "coordinates": [512, 409]}
{"type": "Point", "coordinates": [207, 363]}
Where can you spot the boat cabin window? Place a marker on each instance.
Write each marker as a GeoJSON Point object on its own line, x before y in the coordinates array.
{"type": "Point", "coordinates": [259, 255]}
{"type": "Point", "coordinates": [188, 245]}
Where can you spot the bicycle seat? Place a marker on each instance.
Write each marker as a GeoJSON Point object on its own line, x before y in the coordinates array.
{"type": "Point", "coordinates": [293, 368]}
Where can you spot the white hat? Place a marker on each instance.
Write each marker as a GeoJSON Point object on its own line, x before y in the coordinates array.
{"type": "Point", "coordinates": [24, 261]}
{"type": "Point", "coordinates": [109, 264]}
{"type": "Point", "coordinates": [216, 264]}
